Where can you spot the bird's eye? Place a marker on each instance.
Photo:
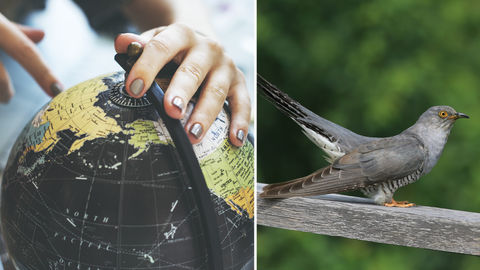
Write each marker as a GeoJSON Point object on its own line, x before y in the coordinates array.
{"type": "Point", "coordinates": [443, 114]}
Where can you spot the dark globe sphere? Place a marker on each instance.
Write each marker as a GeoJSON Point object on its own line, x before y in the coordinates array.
{"type": "Point", "coordinates": [95, 181]}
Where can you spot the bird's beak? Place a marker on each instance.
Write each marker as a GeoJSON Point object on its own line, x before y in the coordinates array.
{"type": "Point", "coordinates": [459, 115]}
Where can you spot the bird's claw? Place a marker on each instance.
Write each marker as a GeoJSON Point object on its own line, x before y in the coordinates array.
{"type": "Point", "coordinates": [403, 204]}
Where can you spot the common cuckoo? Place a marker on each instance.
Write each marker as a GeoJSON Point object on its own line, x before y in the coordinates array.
{"type": "Point", "coordinates": [376, 166]}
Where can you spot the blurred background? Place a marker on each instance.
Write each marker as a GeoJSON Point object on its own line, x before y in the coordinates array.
{"type": "Point", "coordinates": [371, 66]}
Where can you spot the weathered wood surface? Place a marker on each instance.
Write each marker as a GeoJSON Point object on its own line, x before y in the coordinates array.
{"type": "Point", "coordinates": [358, 218]}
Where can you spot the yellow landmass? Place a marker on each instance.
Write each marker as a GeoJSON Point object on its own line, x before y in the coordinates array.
{"type": "Point", "coordinates": [74, 110]}
{"type": "Point", "coordinates": [229, 173]}
{"type": "Point", "coordinates": [228, 170]}
{"type": "Point", "coordinates": [142, 134]}
{"type": "Point", "coordinates": [243, 199]}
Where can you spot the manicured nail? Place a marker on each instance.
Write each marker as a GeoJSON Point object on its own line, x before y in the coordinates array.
{"type": "Point", "coordinates": [56, 88]}
{"type": "Point", "coordinates": [134, 49]}
{"type": "Point", "coordinates": [6, 91]}
{"type": "Point", "coordinates": [178, 102]}
{"type": "Point", "coordinates": [196, 130]}
{"type": "Point", "coordinates": [240, 135]}
{"type": "Point", "coordinates": [137, 86]}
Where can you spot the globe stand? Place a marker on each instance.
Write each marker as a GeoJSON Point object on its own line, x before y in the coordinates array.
{"type": "Point", "coordinates": [188, 158]}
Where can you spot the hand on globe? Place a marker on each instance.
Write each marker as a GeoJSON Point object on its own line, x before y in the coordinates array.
{"type": "Point", "coordinates": [18, 41]}
{"type": "Point", "coordinates": [202, 63]}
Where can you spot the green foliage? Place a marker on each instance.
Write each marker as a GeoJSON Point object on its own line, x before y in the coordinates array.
{"type": "Point", "coordinates": [373, 67]}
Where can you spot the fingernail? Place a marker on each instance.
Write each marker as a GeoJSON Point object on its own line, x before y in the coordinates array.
{"type": "Point", "coordinates": [6, 92]}
{"type": "Point", "coordinates": [134, 49]}
{"type": "Point", "coordinates": [240, 135]}
{"type": "Point", "coordinates": [196, 130]}
{"type": "Point", "coordinates": [56, 88]}
{"type": "Point", "coordinates": [178, 102]}
{"type": "Point", "coordinates": [137, 86]}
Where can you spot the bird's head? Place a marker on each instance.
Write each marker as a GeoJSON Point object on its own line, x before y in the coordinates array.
{"type": "Point", "coordinates": [441, 117]}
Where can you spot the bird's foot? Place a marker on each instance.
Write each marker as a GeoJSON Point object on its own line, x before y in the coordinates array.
{"type": "Point", "coordinates": [403, 204]}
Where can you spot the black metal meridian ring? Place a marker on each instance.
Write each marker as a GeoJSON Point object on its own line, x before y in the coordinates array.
{"type": "Point", "coordinates": [194, 172]}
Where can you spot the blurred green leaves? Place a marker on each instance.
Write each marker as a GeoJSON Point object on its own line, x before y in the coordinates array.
{"type": "Point", "coordinates": [373, 67]}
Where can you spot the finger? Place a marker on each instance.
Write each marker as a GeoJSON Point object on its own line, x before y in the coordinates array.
{"type": "Point", "coordinates": [156, 53]}
{"type": "Point", "coordinates": [34, 34]}
{"type": "Point", "coordinates": [210, 102]}
{"type": "Point", "coordinates": [152, 32]}
{"type": "Point", "coordinates": [6, 88]}
{"type": "Point", "coordinates": [188, 77]}
{"type": "Point", "coordinates": [240, 107]}
{"type": "Point", "coordinates": [23, 50]}
{"type": "Point", "coordinates": [123, 40]}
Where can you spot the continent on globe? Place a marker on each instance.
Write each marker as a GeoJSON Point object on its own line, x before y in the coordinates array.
{"type": "Point", "coordinates": [95, 182]}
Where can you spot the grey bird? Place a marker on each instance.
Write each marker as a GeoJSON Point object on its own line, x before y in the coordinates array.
{"type": "Point", "coordinates": [376, 166]}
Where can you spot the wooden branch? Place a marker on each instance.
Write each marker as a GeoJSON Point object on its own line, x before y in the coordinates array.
{"type": "Point", "coordinates": [358, 218]}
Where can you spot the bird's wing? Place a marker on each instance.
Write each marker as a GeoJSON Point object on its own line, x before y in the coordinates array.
{"type": "Point", "coordinates": [372, 163]}
{"type": "Point", "coordinates": [333, 139]}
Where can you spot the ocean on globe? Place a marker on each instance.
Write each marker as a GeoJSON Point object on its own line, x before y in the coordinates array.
{"type": "Point", "coordinates": [94, 182]}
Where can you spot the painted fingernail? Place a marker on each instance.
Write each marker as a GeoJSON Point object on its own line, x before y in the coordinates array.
{"type": "Point", "coordinates": [196, 130]}
{"type": "Point", "coordinates": [137, 86]}
{"type": "Point", "coordinates": [178, 102]}
{"type": "Point", "coordinates": [134, 49]}
{"type": "Point", "coordinates": [240, 135]}
{"type": "Point", "coordinates": [6, 91]}
{"type": "Point", "coordinates": [56, 88]}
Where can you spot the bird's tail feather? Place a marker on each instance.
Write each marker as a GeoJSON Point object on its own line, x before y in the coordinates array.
{"type": "Point", "coordinates": [324, 181]}
{"type": "Point", "coordinates": [326, 134]}
{"type": "Point", "coordinates": [281, 100]}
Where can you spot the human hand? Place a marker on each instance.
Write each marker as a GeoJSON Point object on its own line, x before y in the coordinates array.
{"type": "Point", "coordinates": [18, 42]}
{"type": "Point", "coordinates": [200, 60]}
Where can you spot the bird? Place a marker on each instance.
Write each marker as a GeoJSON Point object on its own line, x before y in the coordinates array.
{"type": "Point", "coordinates": [375, 166]}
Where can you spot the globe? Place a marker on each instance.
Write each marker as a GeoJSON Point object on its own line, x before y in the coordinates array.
{"type": "Point", "coordinates": [95, 181]}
